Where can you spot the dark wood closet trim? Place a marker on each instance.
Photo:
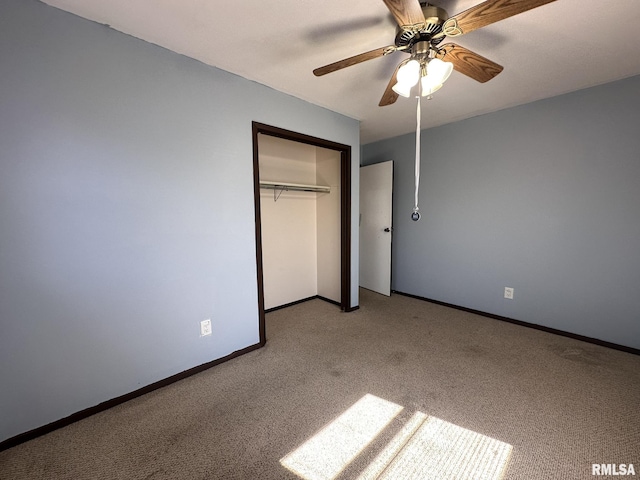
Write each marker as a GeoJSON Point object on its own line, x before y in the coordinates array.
{"type": "Point", "coordinates": [345, 210]}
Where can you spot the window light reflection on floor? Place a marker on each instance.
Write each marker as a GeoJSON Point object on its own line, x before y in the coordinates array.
{"type": "Point", "coordinates": [433, 448]}
{"type": "Point", "coordinates": [328, 452]}
{"type": "Point", "coordinates": [425, 448]}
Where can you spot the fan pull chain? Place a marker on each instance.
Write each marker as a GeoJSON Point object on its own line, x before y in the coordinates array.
{"type": "Point", "coordinates": [415, 216]}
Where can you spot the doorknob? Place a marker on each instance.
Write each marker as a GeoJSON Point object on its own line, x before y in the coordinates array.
{"type": "Point", "coordinates": [387, 229]}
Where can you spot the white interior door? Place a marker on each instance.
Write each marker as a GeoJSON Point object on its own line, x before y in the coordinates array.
{"type": "Point", "coordinates": [376, 192]}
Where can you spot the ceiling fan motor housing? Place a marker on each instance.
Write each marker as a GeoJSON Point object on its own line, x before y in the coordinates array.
{"type": "Point", "coordinates": [434, 18]}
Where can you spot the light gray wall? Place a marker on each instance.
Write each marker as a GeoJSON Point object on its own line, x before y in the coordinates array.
{"type": "Point", "coordinates": [544, 198]}
{"type": "Point", "coordinates": [126, 211]}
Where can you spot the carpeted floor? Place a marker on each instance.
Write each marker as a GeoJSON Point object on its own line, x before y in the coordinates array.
{"type": "Point", "coordinates": [545, 406]}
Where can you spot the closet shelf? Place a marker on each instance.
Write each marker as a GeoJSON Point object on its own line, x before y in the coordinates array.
{"type": "Point", "coordinates": [297, 187]}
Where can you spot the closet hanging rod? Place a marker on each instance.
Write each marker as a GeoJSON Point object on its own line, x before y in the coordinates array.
{"type": "Point", "coordinates": [295, 187]}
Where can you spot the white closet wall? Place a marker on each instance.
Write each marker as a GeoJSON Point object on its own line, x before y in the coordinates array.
{"type": "Point", "coordinates": [300, 230]}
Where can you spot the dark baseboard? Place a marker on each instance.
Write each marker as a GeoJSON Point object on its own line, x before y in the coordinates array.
{"type": "Point", "coordinates": [291, 304]}
{"type": "Point", "coordinates": [352, 309]}
{"type": "Point", "coordinates": [319, 297]}
{"type": "Point", "coordinates": [555, 331]}
{"type": "Point", "coordinates": [328, 300]}
{"type": "Point", "coordinates": [63, 422]}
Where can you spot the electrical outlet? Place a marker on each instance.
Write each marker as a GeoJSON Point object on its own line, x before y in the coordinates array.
{"type": "Point", "coordinates": [508, 293]}
{"type": "Point", "coordinates": [205, 327]}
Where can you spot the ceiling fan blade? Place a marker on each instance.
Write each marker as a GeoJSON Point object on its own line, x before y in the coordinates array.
{"type": "Point", "coordinates": [348, 62]}
{"type": "Point", "coordinates": [489, 12]}
{"type": "Point", "coordinates": [406, 12]}
{"type": "Point", "coordinates": [389, 95]}
{"type": "Point", "coordinates": [469, 63]}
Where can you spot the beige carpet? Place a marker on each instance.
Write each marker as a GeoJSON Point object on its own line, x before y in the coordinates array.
{"type": "Point", "coordinates": [398, 389]}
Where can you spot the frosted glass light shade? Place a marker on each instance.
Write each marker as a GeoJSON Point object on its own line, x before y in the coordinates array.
{"type": "Point", "coordinates": [402, 89]}
{"type": "Point", "coordinates": [409, 73]}
{"type": "Point", "coordinates": [438, 71]}
{"type": "Point", "coordinates": [428, 87]}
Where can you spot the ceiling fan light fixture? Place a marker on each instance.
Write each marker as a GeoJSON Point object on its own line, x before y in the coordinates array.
{"type": "Point", "coordinates": [439, 71]}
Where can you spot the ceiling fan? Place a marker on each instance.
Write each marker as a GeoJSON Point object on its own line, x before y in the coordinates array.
{"type": "Point", "coordinates": [421, 29]}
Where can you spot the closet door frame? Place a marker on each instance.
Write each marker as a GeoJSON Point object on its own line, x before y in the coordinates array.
{"type": "Point", "coordinates": [345, 211]}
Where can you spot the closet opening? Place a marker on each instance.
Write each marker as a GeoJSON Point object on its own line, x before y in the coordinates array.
{"type": "Point", "coordinates": [302, 195]}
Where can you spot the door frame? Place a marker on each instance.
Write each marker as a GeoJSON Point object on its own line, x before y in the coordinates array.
{"type": "Point", "coordinates": [345, 211]}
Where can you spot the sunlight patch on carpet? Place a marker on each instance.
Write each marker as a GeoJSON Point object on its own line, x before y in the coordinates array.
{"type": "Point", "coordinates": [425, 447]}
{"type": "Point", "coordinates": [431, 448]}
{"type": "Point", "coordinates": [325, 455]}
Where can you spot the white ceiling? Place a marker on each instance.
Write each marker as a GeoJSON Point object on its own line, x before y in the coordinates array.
{"type": "Point", "coordinates": [557, 48]}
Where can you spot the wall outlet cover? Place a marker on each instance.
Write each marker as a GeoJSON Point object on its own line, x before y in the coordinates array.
{"type": "Point", "coordinates": [508, 293]}
{"type": "Point", "coordinates": [205, 327]}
